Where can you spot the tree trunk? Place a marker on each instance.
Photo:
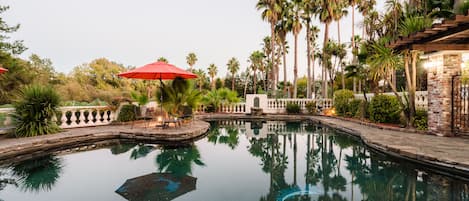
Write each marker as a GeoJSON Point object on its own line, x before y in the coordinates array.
{"type": "Point", "coordinates": [232, 82]}
{"type": "Point", "coordinates": [324, 62]}
{"type": "Point", "coordinates": [308, 54]}
{"type": "Point", "coordinates": [245, 85]}
{"type": "Point", "coordinates": [354, 60]}
{"type": "Point", "coordinates": [284, 68]}
{"type": "Point", "coordinates": [313, 74]}
{"type": "Point", "coordinates": [254, 78]}
{"type": "Point", "coordinates": [272, 57]}
{"type": "Point", "coordinates": [413, 87]}
{"type": "Point", "coordinates": [295, 68]}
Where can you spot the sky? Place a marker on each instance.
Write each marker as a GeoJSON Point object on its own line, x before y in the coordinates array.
{"type": "Point", "coordinates": [135, 33]}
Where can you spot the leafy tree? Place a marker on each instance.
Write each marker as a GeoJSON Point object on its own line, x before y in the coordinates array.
{"type": "Point", "coordinates": [178, 94]}
{"type": "Point", "coordinates": [15, 47]}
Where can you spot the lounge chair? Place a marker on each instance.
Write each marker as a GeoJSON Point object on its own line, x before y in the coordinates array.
{"type": "Point", "coordinates": [187, 113]}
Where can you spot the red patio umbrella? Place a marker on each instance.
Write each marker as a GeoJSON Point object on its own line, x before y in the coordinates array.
{"type": "Point", "coordinates": [158, 71]}
{"type": "Point", "coordinates": [2, 70]}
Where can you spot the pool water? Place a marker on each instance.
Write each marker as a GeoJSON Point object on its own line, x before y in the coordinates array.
{"type": "Point", "coordinates": [237, 161]}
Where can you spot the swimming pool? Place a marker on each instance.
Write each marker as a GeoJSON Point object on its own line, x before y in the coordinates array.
{"type": "Point", "coordinates": [238, 160]}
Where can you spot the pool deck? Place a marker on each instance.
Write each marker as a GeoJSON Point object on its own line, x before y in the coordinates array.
{"type": "Point", "coordinates": [143, 131]}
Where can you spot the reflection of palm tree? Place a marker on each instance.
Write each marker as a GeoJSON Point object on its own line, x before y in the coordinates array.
{"type": "Point", "coordinates": [122, 148]}
{"type": "Point", "coordinates": [141, 151]}
{"type": "Point", "coordinates": [38, 174]}
{"type": "Point", "coordinates": [178, 160]}
{"type": "Point", "coordinates": [227, 135]}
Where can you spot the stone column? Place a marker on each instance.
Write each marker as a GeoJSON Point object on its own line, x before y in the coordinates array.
{"type": "Point", "coordinates": [442, 67]}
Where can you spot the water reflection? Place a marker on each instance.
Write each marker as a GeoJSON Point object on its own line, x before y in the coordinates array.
{"type": "Point", "coordinates": [337, 166]}
{"type": "Point", "coordinates": [284, 160]}
{"type": "Point", "coordinates": [39, 174]}
{"type": "Point", "coordinates": [178, 161]}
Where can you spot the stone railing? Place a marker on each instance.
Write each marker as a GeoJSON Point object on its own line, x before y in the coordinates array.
{"type": "Point", "coordinates": [70, 117]}
{"type": "Point", "coordinates": [272, 106]}
{"type": "Point", "coordinates": [421, 100]}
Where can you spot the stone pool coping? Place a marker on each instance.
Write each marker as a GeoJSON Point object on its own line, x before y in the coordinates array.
{"type": "Point", "coordinates": [21, 147]}
{"type": "Point", "coordinates": [449, 155]}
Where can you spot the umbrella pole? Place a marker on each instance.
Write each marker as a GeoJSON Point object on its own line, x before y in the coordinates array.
{"type": "Point", "coordinates": [161, 97]}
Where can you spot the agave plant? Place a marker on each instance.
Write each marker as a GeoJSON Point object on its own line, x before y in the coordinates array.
{"type": "Point", "coordinates": [34, 111]}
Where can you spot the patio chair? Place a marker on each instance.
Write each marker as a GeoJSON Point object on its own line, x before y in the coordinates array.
{"type": "Point", "coordinates": [147, 116]}
{"type": "Point", "coordinates": [187, 113]}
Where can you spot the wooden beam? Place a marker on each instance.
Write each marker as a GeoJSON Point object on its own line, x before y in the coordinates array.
{"type": "Point", "coordinates": [439, 47]}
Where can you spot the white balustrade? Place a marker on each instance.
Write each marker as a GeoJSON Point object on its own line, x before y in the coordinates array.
{"type": "Point", "coordinates": [70, 117]}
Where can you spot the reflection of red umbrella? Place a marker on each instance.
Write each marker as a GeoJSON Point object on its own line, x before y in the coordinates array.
{"type": "Point", "coordinates": [2, 70]}
{"type": "Point", "coordinates": [156, 187]}
{"type": "Point", "coordinates": [158, 71]}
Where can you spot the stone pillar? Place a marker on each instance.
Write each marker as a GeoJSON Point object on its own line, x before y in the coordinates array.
{"type": "Point", "coordinates": [442, 66]}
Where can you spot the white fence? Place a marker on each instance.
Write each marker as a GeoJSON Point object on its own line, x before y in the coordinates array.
{"type": "Point", "coordinates": [269, 106]}
{"type": "Point", "coordinates": [421, 100]}
{"type": "Point", "coordinates": [70, 117]}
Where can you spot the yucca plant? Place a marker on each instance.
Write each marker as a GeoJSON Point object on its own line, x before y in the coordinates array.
{"type": "Point", "coordinates": [34, 109]}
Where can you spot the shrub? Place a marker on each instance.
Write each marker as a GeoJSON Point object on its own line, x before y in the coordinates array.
{"type": "Point", "coordinates": [384, 109]}
{"type": "Point", "coordinates": [311, 107]}
{"type": "Point", "coordinates": [341, 101]}
{"type": "Point", "coordinates": [353, 108]}
{"type": "Point", "coordinates": [128, 113]}
{"type": "Point", "coordinates": [34, 111]}
{"type": "Point", "coordinates": [362, 111]}
{"type": "Point", "coordinates": [293, 108]}
{"type": "Point", "coordinates": [421, 119]}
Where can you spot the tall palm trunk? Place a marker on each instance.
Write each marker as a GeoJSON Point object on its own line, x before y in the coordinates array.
{"type": "Point", "coordinates": [254, 79]}
{"type": "Point", "coordinates": [284, 68]}
{"type": "Point", "coordinates": [308, 54]}
{"type": "Point", "coordinates": [324, 62]}
{"type": "Point", "coordinates": [313, 81]}
{"type": "Point", "coordinates": [354, 60]}
{"type": "Point", "coordinates": [295, 68]}
{"type": "Point", "coordinates": [340, 61]}
{"type": "Point", "coordinates": [232, 81]}
{"type": "Point", "coordinates": [272, 56]}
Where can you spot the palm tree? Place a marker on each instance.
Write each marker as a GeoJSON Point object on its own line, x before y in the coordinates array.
{"type": "Point", "coordinates": [162, 59]}
{"type": "Point", "coordinates": [339, 13]}
{"type": "Point", "coordinates": [233, 67]}
{"type": "Point", "coordinates": [314, 30]}
{"type": "Point", "coordinates": [191, 59]}
{"type": "Point", "coordinates": [324, 10]}
{"type": "Point", "coordinates": [256, 63]}
{"type": "Point", "coordinates": [296, 28]}
{"type": "Point", "coordinates": [270, 12]}
{"type": "Point", "coordinates": [212, 72]}
{"type": "Point", "coordinates": [352, 4]}
{"type": "Point", "coordinates": [201, 78]}
{"type": "Point", "coordinates": [282, 29]}
{"type": "Point", "coordinates": [365, 7]}
{"type": "Point", "coordinates": [307, 15]}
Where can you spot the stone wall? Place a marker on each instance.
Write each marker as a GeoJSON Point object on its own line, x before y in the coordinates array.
{"type": "Point", "coordinates": [448, 64]}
